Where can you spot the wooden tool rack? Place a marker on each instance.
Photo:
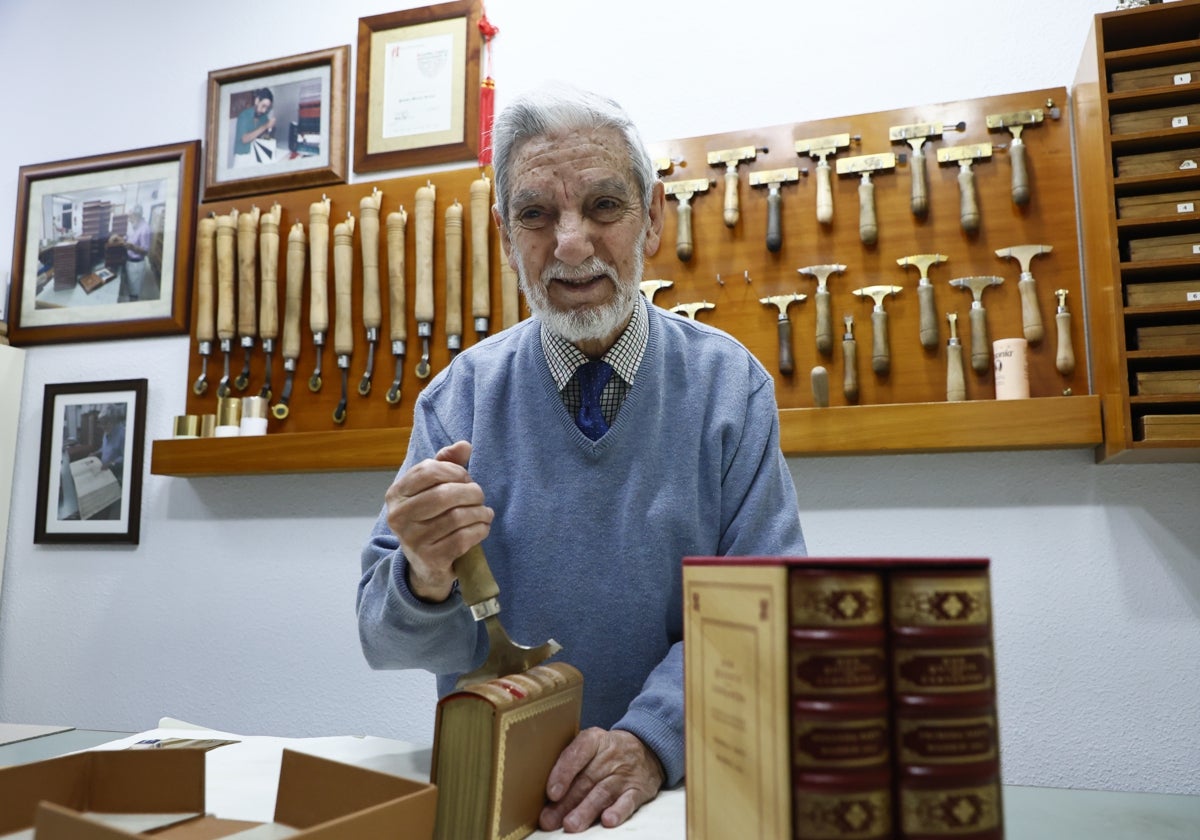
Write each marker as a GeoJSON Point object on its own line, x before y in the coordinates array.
{"type": "Point", "coordinates": [906, 411]}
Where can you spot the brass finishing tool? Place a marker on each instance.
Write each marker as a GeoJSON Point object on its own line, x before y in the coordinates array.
{"type": "Point", "coordinates": [1064, 359]}
{"type": "Point", "coordinates": [226, 290]}
{"type": "Point", "coordinates": [206, 256]}
{"type": "Point", "coordinates": [318, 298]}
{"type": "Point", "coordinates": [423, 307]}
{"type": "Point", "coordinates": [821, 296]}
{"type": "Point", "coordinates": [731, 158]}
{"type": "Point", "coordinates": [915, 136]}
{"type": "Point", "coordinates": [849, 361]}
{"type": "Point", "coordinates": [690, 309]}
{"type": "Point", "coordinates": [368, 240]}
{"type": "Point", "coordinates": [1031, 315]}
{"type": "Point", "coordinates": [481, 284]}
{"type": "Point", "coordinates": [343, 331]}
{"type": "Point", "coordinates": [1015, 123]}
{"type": "Point", "coordinates": [782, 302]}
{"type": "Point", "coordinates": [454, 260]}
{"type": "Point", "coordinates": [881, 361]}
{"type": "Point", "coordinates": [397, 223]}
{"type": "Point", "coordinates": [981, 346]}
{"type": "Point", "coordinates": [928, 320]}
{"type": "Point", "coordinates": [773, 180]}
{"type": "Point", "coordinates": [297, 253]}
{"type": "Point", "coordinates": [683, 191]}
{"type": "Point", "coordinates": [481, 594]}
{"type": "Point", "coordinates": [268, 310]}
{"type": "Point", "coordinates": [968, 214]}
{"type": "Point", "coordinates": [651, 287]}
{"type": "Point", "coordinates": [820, 148]}
{"type": "Point", "coordinates": [247, 263]}
{"type": "Point", "coordinates": [956, 386]}
{"type": "Point", "coordinates": [864, 165]}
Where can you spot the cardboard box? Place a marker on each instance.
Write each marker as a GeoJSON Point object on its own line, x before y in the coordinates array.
{"type": "Point", "coordinates": [75, 797]}
{"type": "Point", "coordinates": [1162, 293]}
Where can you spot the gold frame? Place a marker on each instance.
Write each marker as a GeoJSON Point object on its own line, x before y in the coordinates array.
{"type": "Point", "coordinates": [223, 180]}
{"type": "Point", "coordinates": [455, 25]}
{"type": "Point", "coordinates": [50, 321]}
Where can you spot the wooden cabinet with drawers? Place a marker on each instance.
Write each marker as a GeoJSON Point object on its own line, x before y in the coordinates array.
{"type": "Point", "coordinates": [1136, 101]}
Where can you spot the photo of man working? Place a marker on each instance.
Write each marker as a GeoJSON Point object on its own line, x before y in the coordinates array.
{"type": "Point", "coordinates": [588, 449]}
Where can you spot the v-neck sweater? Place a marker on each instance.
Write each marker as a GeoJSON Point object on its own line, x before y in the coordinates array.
{"type": "Point", "coordinates": [588, 536]}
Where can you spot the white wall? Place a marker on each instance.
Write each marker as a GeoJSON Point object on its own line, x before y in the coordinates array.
{"type": "Point", "coordinates": [237, 608]}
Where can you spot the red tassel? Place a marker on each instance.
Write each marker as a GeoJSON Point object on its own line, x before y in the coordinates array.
{"type": "Point", "coordinates": [487, 93]}
{"type": "Point", "coordinates": [487, 108]}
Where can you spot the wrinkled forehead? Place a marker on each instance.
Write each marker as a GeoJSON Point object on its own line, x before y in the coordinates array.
{"type": "Point", "coordinates": [575, 160]}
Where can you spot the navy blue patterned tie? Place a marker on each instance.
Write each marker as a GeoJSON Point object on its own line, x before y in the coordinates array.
{"type": "Point", "coordinates": [593, 376]}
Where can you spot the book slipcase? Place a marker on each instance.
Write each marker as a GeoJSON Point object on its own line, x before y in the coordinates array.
{"type": "Point", "coordinates": [834, 698]}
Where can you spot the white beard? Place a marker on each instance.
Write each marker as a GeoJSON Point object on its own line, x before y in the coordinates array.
{"type": "Point", "coordinates": [584, 323]}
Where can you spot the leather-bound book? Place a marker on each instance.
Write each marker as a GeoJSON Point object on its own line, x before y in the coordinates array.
{"type": "Point", "coordinates": [947, 748]}
{"type": "Point", "coordinates": [841, 754]}
{"type": "Point", "coordinates": [494, 745]}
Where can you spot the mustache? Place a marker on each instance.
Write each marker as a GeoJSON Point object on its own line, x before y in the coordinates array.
{"type": "Point", "coordinates": [586, 270]}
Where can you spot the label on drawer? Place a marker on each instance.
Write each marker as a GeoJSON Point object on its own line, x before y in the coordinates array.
{"type": "Point", "coordinates": [1183, 78]}
{"type": "Point", "coordinates": [1196, 249]}
{"type": "Point", "coordinates": [1193, 297]}
{"type": "Point", "coordinates": [1188, 164]}
{"type": "Point", "coordinates": [1179, 122]}
{"type": "Point", "coordinates": [1185, 207]}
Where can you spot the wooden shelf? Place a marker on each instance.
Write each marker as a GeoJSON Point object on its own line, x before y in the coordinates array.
{"type": "Point", "coordinates": [1041, 423]}
{"type": "Point", "coordinates": [1143, 39]}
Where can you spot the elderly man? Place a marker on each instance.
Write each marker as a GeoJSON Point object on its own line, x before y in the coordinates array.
{"type": "Point", "coordinates": [589, 448]}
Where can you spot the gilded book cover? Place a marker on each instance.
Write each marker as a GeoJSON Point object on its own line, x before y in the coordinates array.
{"type": "Point", "coordinates": [494, 745]}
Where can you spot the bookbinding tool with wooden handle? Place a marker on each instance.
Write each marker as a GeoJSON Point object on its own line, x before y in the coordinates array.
{"type": "Point", "coordinates": [820, 149]}
{"type": "Point", "coordinates": [730, 158]}
{"type": "Point", "coordinates": [782, 302]}
{"type": "Point", "coordinates": [206, 259]}
{"type": "Point", "coordinates": [822, 297]}
{"type": "Point", "coordinates": [1031, 315]}
{"type": "Point", "coordinates": [773, 179]}
{"type": "Point", "coordinates": [881, 361]}
{"type": "Point", "coordinates": [968, 212]}
{"type": "Point", "coordinates": [683, 192]}
{"type": "Point", "coordinates": [928, 314]}
{"type": "Point", "coordinates": [864, 165]}
{"type": "Point", "coordinates": [915, 135]}
{"type": "Point", "coordinates": [481, 594]}
{"type": "Point", "coordinates": [981, 346]}
{"type": "Point", "coordinates": [1015, 123]}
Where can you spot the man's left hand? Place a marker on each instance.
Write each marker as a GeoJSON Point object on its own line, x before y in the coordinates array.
{"type": "Point", "coordinates": [602, 774]}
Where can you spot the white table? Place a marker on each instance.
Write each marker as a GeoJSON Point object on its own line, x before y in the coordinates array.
{"type": "Point", "coordinates": [241, 781]}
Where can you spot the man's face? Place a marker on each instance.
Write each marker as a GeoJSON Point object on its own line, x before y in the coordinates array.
{"type": "Point", "coordinates": [577, 234]}
{"type": "Point", "coordinates": [261, 106]}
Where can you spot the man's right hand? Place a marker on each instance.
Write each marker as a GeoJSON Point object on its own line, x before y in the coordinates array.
{"type": "Point", "coordinates": [437, 511]}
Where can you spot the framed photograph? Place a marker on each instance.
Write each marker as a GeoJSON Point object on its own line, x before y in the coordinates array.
{"type": "Point", "coordinates": [417, 87]}
{"type": "Point", "coordinates": [277, 125]}
{"type": "Point", "coordinates": [103, 246]}
{"type": "Point", "coordinates": [90, 473]}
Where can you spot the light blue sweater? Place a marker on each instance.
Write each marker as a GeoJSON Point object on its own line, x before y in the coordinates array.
{"type": "Point", "coordinates": [588, 535]}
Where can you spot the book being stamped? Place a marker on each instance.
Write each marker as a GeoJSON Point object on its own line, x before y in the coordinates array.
{"type": "Point", "coordinates": [494, 745]}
